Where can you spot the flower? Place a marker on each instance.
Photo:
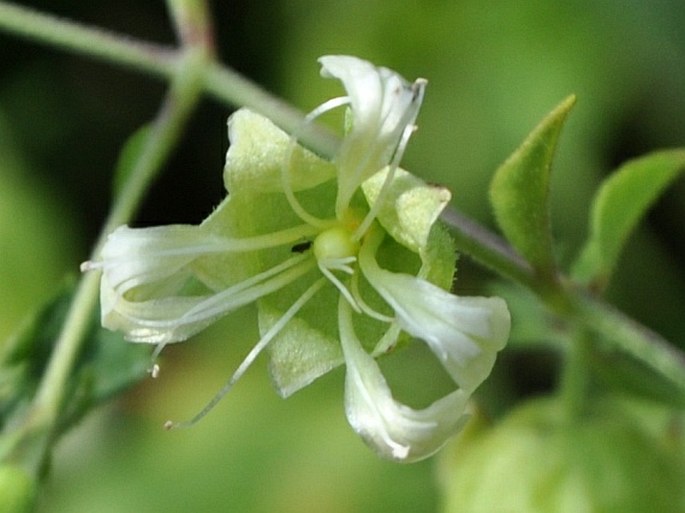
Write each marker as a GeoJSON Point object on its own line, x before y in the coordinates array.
{"type": "Point", "coordinates": [359, 233]}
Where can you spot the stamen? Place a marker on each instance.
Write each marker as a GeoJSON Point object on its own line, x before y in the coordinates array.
{"type": "Point", "coordinates": [233, 297]}
{"type": "Point", "coordinates": [297, 207]}
{"type": "Point", "coordinates": [252, 355]}
{"type": "Point", "coordinates": [154, 369]}
{"type": "Point", "coordinates": [339, 264]}
{"type": "Point", "coordinates": [418, 89]}
{"type": "Point", "coordinates": [252, 288]}
{"type": "Point", "coordinates": [340, 286]}
{"type": "Point", "coordinates": [364, 305]}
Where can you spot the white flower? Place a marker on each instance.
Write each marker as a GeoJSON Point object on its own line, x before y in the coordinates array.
{"type": "Point", "coordinates": [295, 227]}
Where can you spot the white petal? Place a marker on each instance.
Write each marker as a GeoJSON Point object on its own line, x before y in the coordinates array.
{"type": "Point", "coordinates": [147, 274]}
{"type": "Point", "coordinates": [383, 105]}
{"type": "Point", "coordinates": [132, 257]}
{"type": "Point", "coordinates": [394, 430]}
{"type": "Point", "coordinates": [465, 333]}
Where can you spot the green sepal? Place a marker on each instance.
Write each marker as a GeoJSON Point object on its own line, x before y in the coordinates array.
{"type": "Point", "coordinates": [309, 346]}
{"type": "Point", "coordinates": [129, 156]}
{"type": "Point", "coordinates": [622, 200]}
{"type": "Point", "coordinates": [410, 207]}
{"type": "Point", "coordinates": [259, 152]}
{"type": "Point", "coordinates": [519, 192]}
{"type": "Point", "coordinates": [409, 214]}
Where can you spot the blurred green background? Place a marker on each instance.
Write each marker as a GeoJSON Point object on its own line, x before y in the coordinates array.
{"type": "Point", "coordinates": [494, 70]}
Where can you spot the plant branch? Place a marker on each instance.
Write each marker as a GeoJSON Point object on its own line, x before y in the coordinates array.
{"type": "Point", "coordinates": [104, 45]}
{"type": "Point", "coordinates": [184, 93]}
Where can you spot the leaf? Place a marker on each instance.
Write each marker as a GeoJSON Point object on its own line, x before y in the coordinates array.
{"type": "Point", "coordinates": [130, 155]}
{"type": "Point", "coordinates": [622, 200]}
{"type": "Point", "coordinates": [519, 191]}
{"type": "Point", "coordinates": [106, 365]}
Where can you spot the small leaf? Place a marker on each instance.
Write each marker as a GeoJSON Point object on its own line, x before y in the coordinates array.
{"type": "Point", "coordinates": [129, 156]}
{"type": "Point", "coordinates": [519, 191]}
{"type": "Point", "coordinates": [622, 200]}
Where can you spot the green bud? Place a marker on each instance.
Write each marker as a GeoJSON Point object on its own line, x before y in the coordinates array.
{"type": "Point", "coordinates": [17, 490]}
{"type": "Point", "coordinates": [536, 460]}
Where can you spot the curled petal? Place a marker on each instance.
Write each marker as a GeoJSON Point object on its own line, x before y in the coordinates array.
{"type": "Point", "coordinates": [170, 318]}
{"type": "Point", "coordinates": [465, 333]}
{"type": "Point", "coordinates": [383, 106]}
{"type": "Point", "coordinates": [132, 257]}
{"type": "Point", "coordinates": [394, 430]}
{"type": "Point", "coordinates": [151, 292]}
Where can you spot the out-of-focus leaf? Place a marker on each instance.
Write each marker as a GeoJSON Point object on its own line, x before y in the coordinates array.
{"type": "Point", "coordinates": [519, 191]}
{"type": "Point", "coordinates": [621, 202]}
{"type": "Point", "coordinates": [129, 156]}
{"type": "Point", "coordinates": [106, 365]}
{"type": "Point", "coordinates": [626, 374]}
{"type": "Point", "coordinates": [26, 354]}
{"type": "Point", "coordinates": [535, 459]}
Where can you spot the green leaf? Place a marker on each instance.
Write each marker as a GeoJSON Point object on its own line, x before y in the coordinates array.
{"type": "Point", "coordinates": [130, 155]}
{"type": "Point", "coordinates": [107, 365]}
{"type": "Point", "coordinates": [622, 200]}
{"type": "Point", "coordinates": [519, 192]}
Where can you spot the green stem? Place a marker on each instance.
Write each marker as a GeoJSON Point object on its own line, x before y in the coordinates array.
{"type": "Point", "coordinates": [569, 302]}
{"type": "Point", "coordinates": [182, 97]}
{"type": "Point", "coordinates": [487, 248]}
{"type": "Point", "coordinates": [192, 24]}
{"type": "Point", "coordinates": [632, 337]}
{"type": "Point", "coordinates": [230, 87]}
{"type": "Point", "coordinates": [575, 376]}
{"type": "Point", "coordinates": [98, 43]}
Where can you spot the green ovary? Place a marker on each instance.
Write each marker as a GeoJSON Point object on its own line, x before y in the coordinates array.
{"type": "Point", "coordinates": [335, 243]}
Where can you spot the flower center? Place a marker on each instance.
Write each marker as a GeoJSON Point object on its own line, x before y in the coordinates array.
{"type": "Point", "coordinates": [335, 244]}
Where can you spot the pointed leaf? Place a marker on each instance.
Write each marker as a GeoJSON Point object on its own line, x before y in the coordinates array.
{"type": "Point", "coordinates": [519, 191]}
{"type": "Point", "coordinates": [621, 202]}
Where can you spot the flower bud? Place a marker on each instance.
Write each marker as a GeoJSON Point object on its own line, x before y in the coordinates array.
{"type": "Point", "coordinates": [537, 460]}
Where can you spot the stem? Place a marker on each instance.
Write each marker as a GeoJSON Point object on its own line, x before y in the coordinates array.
{"type": "Point", "coordinates": [488, 249]}
{"type": "Point", "coordinates": [229, 86]}
{"type": "Point", "coordinates": [221, 82]}
{"type": "Point", "coordinates": [573, 304]}
{"type": "Point", "coordinates": [182, 97]}
{"type": "Point", "coordinates": [575, 376]}
{"type": "Point", "coordinates": [104, 45]}
{"type": "Point", "coordinates": [634, 338]}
